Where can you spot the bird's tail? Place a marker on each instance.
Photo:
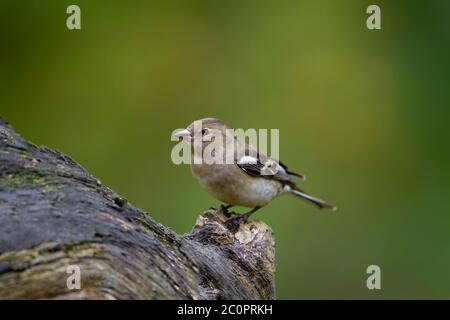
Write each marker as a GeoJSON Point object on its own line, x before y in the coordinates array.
{"type": "Point", "coordinates": [318, 202]}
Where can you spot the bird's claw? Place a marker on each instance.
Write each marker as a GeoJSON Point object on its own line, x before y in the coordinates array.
{"type": "Point", "coordinates": [233, 223]}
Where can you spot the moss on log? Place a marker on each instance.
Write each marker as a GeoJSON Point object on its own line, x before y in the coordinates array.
{"type": "Point", "coordinates": [54, 214]}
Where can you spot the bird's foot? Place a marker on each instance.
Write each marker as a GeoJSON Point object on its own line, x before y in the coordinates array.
{"type": "Point", "coordinates": [234, 222]}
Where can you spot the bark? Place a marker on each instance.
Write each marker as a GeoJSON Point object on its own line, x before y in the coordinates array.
{"type": "Point", "coordinates": [54, 214]}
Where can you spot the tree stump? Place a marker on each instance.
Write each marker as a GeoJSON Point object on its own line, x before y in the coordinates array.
{"type": "Point", "coordinates": [54, 214]}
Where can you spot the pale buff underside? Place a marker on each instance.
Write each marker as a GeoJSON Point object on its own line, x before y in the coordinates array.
{"type": "Point", "coordinates": [233, 186]}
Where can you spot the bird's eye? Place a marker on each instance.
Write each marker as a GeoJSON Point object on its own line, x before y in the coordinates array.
{"type": "Point", "coordinates": [204, 132]}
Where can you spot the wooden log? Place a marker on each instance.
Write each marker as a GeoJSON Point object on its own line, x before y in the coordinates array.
{"type": "Point", "coordinates": [54, 214]}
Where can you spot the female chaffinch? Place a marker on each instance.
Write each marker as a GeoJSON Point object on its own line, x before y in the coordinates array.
{"type": "Point", "coordinates": [236, 173]}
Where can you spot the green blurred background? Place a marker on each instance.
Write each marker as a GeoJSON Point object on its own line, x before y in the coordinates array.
{"type": "Point", "coordinates": [364, 114]}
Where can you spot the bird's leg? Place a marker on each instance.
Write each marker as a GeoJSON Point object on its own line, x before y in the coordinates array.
{"type": "Point", "coordinates": [248, 214]}
{"type": "Point", "coordinates": [224, 209]}
{"type": "Point", "coordinates": [234, 222]}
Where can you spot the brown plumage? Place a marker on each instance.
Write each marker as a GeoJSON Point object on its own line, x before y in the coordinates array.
{"type": "Point", "coordinates": [252, 179]}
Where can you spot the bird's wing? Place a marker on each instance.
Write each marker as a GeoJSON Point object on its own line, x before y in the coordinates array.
{"type": "Point", "coordinates": [292, 173]}
{"type": "Point", "coordinates": [257, 164]}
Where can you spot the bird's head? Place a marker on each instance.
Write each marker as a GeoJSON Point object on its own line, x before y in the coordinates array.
{"type": "Point", "coordinates": [203, 130]}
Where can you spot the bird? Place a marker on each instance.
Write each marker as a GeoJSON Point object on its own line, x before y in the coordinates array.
{"type": "Point", "coordinates": [249, 179]}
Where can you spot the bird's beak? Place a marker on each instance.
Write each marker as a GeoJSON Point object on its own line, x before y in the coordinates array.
{"type": "Point", "coordinates": [182, 133]}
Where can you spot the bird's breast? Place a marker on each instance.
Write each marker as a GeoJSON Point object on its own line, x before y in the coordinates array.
{"type": "Point", "coordinates": [231, 185]}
